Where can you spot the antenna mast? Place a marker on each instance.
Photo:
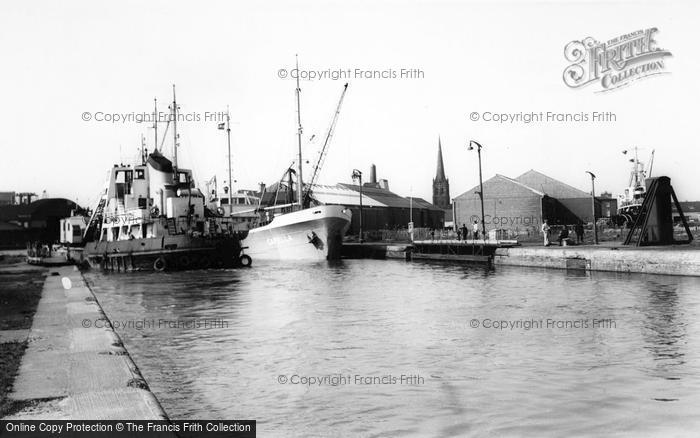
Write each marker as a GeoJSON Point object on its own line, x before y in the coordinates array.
{"type": "Point", "coordinates": [300, 195]}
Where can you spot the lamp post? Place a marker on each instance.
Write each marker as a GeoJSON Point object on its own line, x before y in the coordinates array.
{"type": "Point", "coordinates": [356, 174]}
{"type": "Point", "coordinates": [481, 186]}
{"type": "Point", "coordinates": [595, 227]}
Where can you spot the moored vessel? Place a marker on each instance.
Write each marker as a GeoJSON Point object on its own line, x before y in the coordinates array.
{"type": "Point", "coordinates": [630, 202]}
{"type": "Point", "coordinates": [152, 217]}
{"type": "Point", "coordinates": [314, 233]}
{"type": "Point", "coordinates": [299, 228]}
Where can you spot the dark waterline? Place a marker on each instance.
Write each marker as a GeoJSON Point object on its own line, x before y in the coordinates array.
{"type": "Point", "coordinates": [552, 370]}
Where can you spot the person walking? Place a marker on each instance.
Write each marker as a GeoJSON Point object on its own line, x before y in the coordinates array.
{"type": "Point", "coordinates": [465, 231]}
{"type": "Point", "coordinates": [545, 232]}
{"type": "Point", "coordinates": [579, 232]}
{"type": "Point", "coordinates": [475, 230]}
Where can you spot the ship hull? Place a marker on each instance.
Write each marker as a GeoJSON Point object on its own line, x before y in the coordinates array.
{"type": "Point", "coordinates": [311, 234]}
{"type": "Point", "coordinates": [164, 253]}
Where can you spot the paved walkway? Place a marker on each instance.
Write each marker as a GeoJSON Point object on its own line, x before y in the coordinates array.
{"type": "Point", "coordinates": [72, 372]}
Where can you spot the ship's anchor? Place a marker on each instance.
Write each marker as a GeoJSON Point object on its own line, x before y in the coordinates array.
{"type": "Point", "coordinates": [315, 240]}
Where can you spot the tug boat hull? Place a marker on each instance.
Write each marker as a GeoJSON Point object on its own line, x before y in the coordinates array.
{"type": "Point", "coordinates": [161, 253]}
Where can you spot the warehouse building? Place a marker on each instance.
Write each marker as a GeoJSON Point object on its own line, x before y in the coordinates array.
{"type": "Point", "coordinates": [382, 208]}
{"type": "Point", "coordinates": [35, 221]}
{"type": "Point", "coordinates": [521, 204]}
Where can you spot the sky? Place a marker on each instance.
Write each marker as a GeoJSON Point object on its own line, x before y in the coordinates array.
{"type": "Point", "coordinates": [63, 60]}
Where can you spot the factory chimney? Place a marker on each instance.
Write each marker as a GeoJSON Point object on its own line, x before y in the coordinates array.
{"type": "Point", "coordinates": [373, 174]}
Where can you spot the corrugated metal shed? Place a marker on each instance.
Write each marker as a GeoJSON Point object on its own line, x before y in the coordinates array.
{"type": "Point", "coordinates": [385, 197]}
{"type": "Point", "coordinates": [340, 195]}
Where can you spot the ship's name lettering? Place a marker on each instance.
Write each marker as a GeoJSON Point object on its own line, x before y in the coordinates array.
{"type": "Point", "coordinates": [278, 239]}
{"type": "Point", "coordinates": [120, 219]}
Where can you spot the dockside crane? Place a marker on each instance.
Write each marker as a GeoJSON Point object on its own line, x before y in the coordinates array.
{"type": "Point", "coordinates": [324, 151]}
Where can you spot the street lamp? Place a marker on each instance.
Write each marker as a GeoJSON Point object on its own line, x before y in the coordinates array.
{"type": "Point", "coordinates": [481, 185]}
{"type": "Point", "coordinates": [595, 228]}
{"type": "Point", "coordinates": [356, 174]}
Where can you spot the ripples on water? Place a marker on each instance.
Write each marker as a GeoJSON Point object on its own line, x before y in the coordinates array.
{"type": "Point", "coordinates": [640, 377]}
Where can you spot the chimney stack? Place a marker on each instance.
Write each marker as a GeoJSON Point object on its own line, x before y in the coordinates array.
{"type": "Point", "coordinates": [373, 174]}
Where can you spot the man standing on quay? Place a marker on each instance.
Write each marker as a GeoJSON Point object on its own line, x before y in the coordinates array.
{"type": "Point", "coordinates": [545, 232]}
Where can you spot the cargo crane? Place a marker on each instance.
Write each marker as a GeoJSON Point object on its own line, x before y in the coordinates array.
{"type": "Point", "coordinates": [324, 151]}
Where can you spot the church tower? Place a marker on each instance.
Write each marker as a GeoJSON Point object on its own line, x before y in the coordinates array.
{"type": "Point", "coordinates": [441, 185]}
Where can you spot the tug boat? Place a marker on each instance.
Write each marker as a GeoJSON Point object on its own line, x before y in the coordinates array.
{"type": "Point", "coordinates": [152, 217]}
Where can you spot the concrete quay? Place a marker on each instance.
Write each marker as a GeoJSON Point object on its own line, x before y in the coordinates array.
{"type": "Point", "coordinates": [664, 260]}
{"type": "Point", "coordinates": [376, 250]}
{"type": "Point", "coordinates": [73, 370]}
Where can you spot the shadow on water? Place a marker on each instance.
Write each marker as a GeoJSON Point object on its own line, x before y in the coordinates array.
{"type": "Point", "coordinates": [664, 328]}
{"type": "Point", "coordinates": [577, 273]}
{"type": "Point", "coordinates": [467, 270]}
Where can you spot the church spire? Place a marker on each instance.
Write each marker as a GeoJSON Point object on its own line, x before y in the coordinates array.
{"type": "Point", "coordinates": [441, 185]}
{"type": "Point", "coordinates": [440, 175]}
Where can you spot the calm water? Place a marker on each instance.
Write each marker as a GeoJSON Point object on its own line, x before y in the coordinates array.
{"type": "Point", "coordinates": [636, 372]}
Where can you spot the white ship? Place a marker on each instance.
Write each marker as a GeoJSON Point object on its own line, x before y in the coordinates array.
{"type": "Point", "coordinates": [299, 228]}
{"type": "Point", "coordinates": [314, 233]}
{"type": "Point", "coordinates": [285, 232]}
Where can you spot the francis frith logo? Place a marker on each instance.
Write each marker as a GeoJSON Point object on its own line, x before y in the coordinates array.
{"type": "Point", "coordinates": [616, 62]}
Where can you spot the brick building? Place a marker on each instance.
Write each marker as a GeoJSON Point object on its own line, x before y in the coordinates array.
{"type": "Point", "coordinates": [382, 208]}
{"type": "Point", "coordinates": [520, 204]}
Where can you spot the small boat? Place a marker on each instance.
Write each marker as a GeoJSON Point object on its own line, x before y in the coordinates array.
{"type": "Point", "coordinates": [47, 255]}
{"type": "Point", "coordinates": [152, 217]}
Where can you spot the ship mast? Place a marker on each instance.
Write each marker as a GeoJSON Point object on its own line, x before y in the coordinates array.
{"type": "Point", "coordinates": [143, 150]}
{"type": "Point", "coordinates": [175, 137]}
{"type": "Point", "coordinates": [155, 123]}
{"type": "Point", "coordinates": [299, 132]}
{"type": "Point", "coordinates": [230, 177]}
{"type": "Point", "coordinates": [636, 167]}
